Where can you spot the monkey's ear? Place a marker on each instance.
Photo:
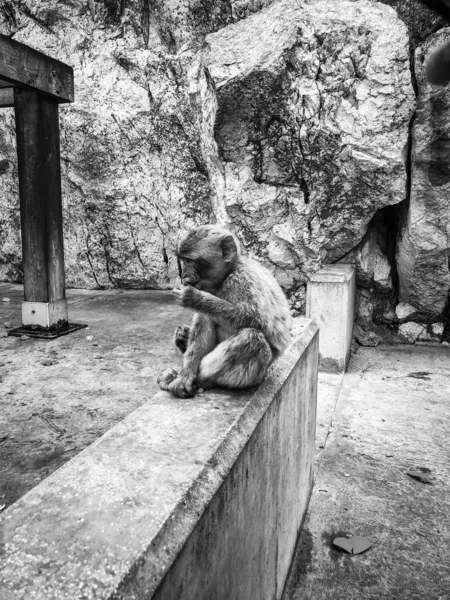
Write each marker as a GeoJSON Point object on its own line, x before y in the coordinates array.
{"type": "Point", "coordinates": [229, 248]}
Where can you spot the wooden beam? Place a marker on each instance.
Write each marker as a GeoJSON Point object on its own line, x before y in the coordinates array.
{"type": "Point", "coordinates": [5, 84]}
{"type": "Point", "coordinates": [6, 97]}
{"type": "Point", "coordinates": [25, 67]}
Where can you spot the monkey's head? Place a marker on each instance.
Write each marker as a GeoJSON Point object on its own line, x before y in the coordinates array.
{"type": "Point", "coordinates": [207, 255]}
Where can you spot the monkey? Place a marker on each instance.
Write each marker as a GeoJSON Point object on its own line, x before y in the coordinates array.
{"type": "Point", "coordinates": [241, 322]}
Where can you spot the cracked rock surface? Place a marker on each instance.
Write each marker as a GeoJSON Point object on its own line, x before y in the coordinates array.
{"type": "Point", "coordinates": [423, 248]}
{"type": "Point", "coordinates": [132, 144]}
{"type": "Point", "coordinates": [312, 127]}
{"type": "Point", "coordinates": [286, 121]}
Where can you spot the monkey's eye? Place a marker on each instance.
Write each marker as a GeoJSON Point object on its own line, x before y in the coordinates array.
{"type": "Point", "coordinates": [185, 261]}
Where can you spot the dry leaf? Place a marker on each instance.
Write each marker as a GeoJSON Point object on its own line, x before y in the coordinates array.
{"type": "Point", "coordinates": [354, 545]}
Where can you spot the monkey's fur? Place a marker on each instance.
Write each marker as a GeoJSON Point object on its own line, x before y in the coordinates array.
{"type": "Point", "coordinates": [242, 319]}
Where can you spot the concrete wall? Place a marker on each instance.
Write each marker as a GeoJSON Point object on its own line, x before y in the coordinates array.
{"type": "Point", "coordinates": [201, 498]}
{"type": "Point", "coordinates": [242, 547]}
{"type": "Point", "coordinates": [330, 300]}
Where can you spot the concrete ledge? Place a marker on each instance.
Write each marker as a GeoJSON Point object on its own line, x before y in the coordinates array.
{"type": "Point", "coordinates": [201, 498]}
{"type": "Point", "coordinates": [330, 300]}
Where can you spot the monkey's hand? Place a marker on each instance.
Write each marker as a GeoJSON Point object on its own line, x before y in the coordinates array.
{"type": "Point", "coordinates": [177, 293]}
{"type": "Point", "coordinates": [218, 308]}
{"type": "Point", "coordinates": [188, 296]}
{"type": "Point", "coordinates": [183, 385]}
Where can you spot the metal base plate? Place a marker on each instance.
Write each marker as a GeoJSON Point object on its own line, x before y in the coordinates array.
{"type": "Point", "coordinates": [48, 335]}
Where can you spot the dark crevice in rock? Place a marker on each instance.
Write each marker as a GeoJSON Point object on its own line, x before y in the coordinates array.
{"type": "Point", "coordinates": [413, 73]}
{"type": "Point", "coordinates": [397, 214]}
{"type": "Point", "coordinates": [409, 159]}
{"type": "Point", "coordinates": [387, 223]}
{"type": "Point", "coordinates": [45, 23]}
{"type": "Point", "coordinates": [377, 277]}
{"type": "Point", "coordinates": [104, 244]}
{"type": "Point", "coordinates": [200, 165]}
{"type": "Point", "coordinates": [305, 190]}
{"type": "Point", "coordinates": [89, 258]}
{"type": "Point", "coordinates": [164, 251]}
{"type": "Point", "coordinates": [390, 218]}
{"type": "Point", "coordinates": [135, 242]}
{"type": "Point", "coordinates": [114, 11]}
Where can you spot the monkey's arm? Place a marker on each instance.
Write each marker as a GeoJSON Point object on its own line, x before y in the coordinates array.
{"type": "Point", "coordinates": [222, 311]}
{"type": "Point", "coordinates": [202, 339]}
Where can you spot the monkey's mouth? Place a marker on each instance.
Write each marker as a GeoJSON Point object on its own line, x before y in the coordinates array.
{"type": "Point", "coordinates": [191, 283]}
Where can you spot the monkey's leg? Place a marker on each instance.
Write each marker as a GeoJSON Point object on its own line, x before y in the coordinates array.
{"type": "Point", "coordinates": [240, 361]}
{"type": "Point", "coordinates": [181, 337]}
{"type": "Point", "coordinates": [202, 339]}
{"type": "Point", "coordinates": [169, 375]}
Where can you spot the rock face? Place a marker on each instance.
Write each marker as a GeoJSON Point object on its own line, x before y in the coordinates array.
{"type": "Point", "coordinates": [424, 243]}
{"type": "Point", "coordinates": [133, 144]}
{"type": "Point", "coordinates": [289, 125]}
{"type": "Point", "coordinates": [312, 127]}
{"type": "Point", "coordinates": [376, 276]}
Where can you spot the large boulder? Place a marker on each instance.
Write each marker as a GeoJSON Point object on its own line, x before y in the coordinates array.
{"type": "Point", "coordinates": [424, 241]}
{"type": "Point", "coordinates": [136, 141]}
{"type": "Point", "coordinates": [290, 126]}
{"type": "Point", "coordinates": [314, 103]}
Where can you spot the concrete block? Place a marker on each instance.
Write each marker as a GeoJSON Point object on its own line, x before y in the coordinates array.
{"type": "Point", "coordinates": [188, 499]}
{"type": "Point", "coordinates": [330, 301]}
{"type": "Point", "coordinates": [44, 314]}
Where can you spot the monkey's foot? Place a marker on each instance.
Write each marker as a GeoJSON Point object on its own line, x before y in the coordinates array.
{"type": "Point", "coordinates": [181, 337]}
{"type": "Point", "coordinates": [183, 386]}
{"type": "Point", "coordinates": [166, 378]}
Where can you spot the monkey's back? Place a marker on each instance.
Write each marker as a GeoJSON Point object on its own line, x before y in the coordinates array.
{"type": "Point", "coordinates": [252, 287]}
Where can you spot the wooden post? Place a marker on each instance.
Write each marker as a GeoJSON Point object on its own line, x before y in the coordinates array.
{"type": "Point", "coordinates": [52, 194]}
{"type": "Point", "coordinates": [31, 183]}
{"type": "Point", "coordinates": [37, 131]}
{"type": "Point", "coordinates": [40, 83]}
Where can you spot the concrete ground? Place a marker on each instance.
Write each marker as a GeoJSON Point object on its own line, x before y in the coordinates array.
{"type": "Point", "coordinates": [58, 396]}
{"type": "Point", "coordinates": [389, 414]}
